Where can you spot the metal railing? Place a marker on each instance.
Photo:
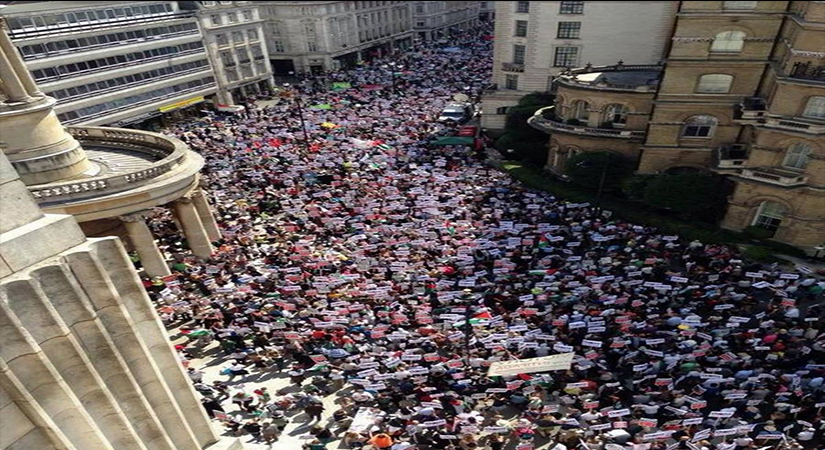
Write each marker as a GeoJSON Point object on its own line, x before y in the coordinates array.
{"type": "Point", "coordinates": [170, 151]}
{"type": "Point", "coordinates": [512, 67]}
{"type": "Point", "coordinates": [808, 71]}
{"type": "Point", "coordinates": [544, 120]}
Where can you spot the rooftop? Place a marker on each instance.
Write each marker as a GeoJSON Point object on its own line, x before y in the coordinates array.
{"type": "Point", "coordinates": [617, 77]}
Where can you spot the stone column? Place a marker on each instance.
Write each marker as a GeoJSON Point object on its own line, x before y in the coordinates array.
{"type": "Point", "coordinates": [206, 216]}
{"type": "Point", "coordinates": [12, 86]}
{"type": "Point", "coordinates": [17, 64]}
{"type": "Point", "coordinates": [144, 243]}
{"type": "Point", "coordinates": [193, 228]}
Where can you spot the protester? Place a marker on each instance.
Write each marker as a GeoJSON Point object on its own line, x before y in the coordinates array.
{"type": "Point", "coordinates": [391, 273]}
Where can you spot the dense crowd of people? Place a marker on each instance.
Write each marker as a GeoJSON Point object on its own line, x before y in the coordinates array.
{"type": "Point", "coordinates": [367, 265]}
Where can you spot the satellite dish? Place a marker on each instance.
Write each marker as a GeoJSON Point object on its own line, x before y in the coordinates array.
{"type": "Point", "coordinates": [461, 97]}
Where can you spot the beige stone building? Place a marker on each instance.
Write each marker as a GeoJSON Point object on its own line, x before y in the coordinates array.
{"type": "Point", "coordinates": [305, 37]}
{"type": "Point", "coordinates": [535, 41]}
{"type": "Point", "coordinates": [742, 93]}
{"type": "Point", "coordinates": [437, 20]}
{"type": "Point", "coordinates": [598, 109]}
{"type": "Point", "coordinates": [235, 41]}
{"type": "Point", "coordinates": [86, 362]}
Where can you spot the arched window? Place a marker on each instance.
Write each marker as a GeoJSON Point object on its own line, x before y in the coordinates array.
{"type": "Point", "coordinates": [728, 42]}
{"type": "Point", "coordinates": [769, 216]}
{"type": "Point", "coordinates": [616, 114]}
{"type": "Point", "coordinates": [714, 83]}
{"type": "Point", "coordinates": [797, 155]}
{"type": "Point", "coordinates": [579, 110]}
{"type": "Point", "coordinates": [815, 107]}
{"type": "Point", "coordinates": [699, 127]}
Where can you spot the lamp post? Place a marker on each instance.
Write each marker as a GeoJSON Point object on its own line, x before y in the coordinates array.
{"type": "Point", "coordinates": [602, 177]}
{"type": "Point", "coordinates": [297, 97]}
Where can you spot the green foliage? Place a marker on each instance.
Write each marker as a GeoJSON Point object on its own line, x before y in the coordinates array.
{"type": "Point", "coordinates": [634, 187]}
{"type": "Point", "coordinates": [528, 143]}
{"type": "Point", "coordinates": [531, 149]}
{"type": "Point", "coordinates": [691, 195]}
{"type": "Point", "coordinates": [540, 99]}
{"type": "Point", "coordinates": [586, 169]}
{"type": "Point", "coordinates": [758, 232]}
{"type": "Point", "coordinates": [760, 253]}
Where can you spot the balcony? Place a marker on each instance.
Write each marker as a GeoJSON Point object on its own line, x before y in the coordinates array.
{"type": "Point", "coordinates": [775, 176]}
{"type": "Point", "coordinates": [752, 109]}
{"type": "Point", "coordinates": [796, 124]}
{"type": "Point", "coordinates": [512, 67]}
{"type": "Point", "coordinates": [545, 120]}
{"type": "Point", "coordinates": [730, 156]}
{"type": "Point", "coordinates": [807, 71]}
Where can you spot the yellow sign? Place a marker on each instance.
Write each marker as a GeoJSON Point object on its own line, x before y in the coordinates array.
{"type": "Point", "coordinates": [181, 104]}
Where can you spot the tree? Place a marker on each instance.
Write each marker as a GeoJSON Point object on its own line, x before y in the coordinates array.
{"type": "Point", "coordinates": [587, 169]}
{"type": "Point", "coordinates": [693, 195]}
{"type": "Point", "coordinates": [527, 142]}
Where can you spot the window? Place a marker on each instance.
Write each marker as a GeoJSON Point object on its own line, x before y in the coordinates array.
{"type": "Point", "coordinates": [699, 127]}
{"type": "Point", "coordinates": [797, 156]}
{"type": "Point", "coordinates": [815, 107]}
{"type": "Point", "coordinates": [511, 82]}
{"type": "Point", "coordinates": [571, 8]}
{"type": "Point", "coordinates": [522, 7]}
{"type": "Point", "coordinates": [237, 37]}
{"type": "Point", "coordinates": [521, 28]}
{"type": "Point", "coordinates": [714, 83]}
{"type": "Point", "coordinates": [728, 42]}
{"type": "Point", "coordinates": [739, 5]}
{"type": "Point", "coordinates": [566, 56]}
{"type": "Point", "coordinates": [502, 110]}
{"type": "Point", "coordinates": [769, 216]}
{"type": "Point", "coordinates": [569, 30]}
{"type": "Point", "coordinates": [518, 54]}
{"type": "Point", "coordinates": [278, 46]}
{"type": "Point", "coordinates": [233, 17]}
{"type": "Point", "coordinates": [227, 59]}
{"type": "Point", "coordinates": [247, 15]}
{"type": "Point", "coordinates": [580, 111]}
{"type": "Point", "coordinates": [312, 46]}
{"type": "Point", "coordinates": [252, 35]}
{"type": "Point", "coordinates": [216, 19]}
{"type": "Point", "coordinates": [616, 114]}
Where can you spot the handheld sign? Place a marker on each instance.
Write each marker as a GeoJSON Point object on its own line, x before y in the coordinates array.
{"type": "Point", "coordinates": [561, 361]}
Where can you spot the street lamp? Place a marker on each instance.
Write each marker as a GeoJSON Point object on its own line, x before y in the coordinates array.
{"type": "Point", "coordinates": [297, 97]}
{"type": "Point", "coordinates": [601, 178]}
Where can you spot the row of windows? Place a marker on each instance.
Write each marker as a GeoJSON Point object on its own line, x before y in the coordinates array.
{"type": "Point", "coordinates": [105, 40]}
{"type": "Point", "coordinates": [237, 37]}
{"type": "Point", "coordinates": [615, 114]}
{"type": "Point", "coordinates": [564, 7]}
{"type": "Point", "coordinates": [79, 17]}
{"type": "Point", "coordinates": [231, 17]}
{"type": "Point", "coordinates": [134, 100]}
{"type": "Point", "coordinates": [566, 30]}
{"type": "Point", "coordinates": [125, 81]}
{"type": "Point", "coordinates": [73, 69]}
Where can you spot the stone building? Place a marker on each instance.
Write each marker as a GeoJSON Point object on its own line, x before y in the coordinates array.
{"type": "Point", "coordinates": [438, 20]}
{"type": "Point", "coordinates": [235, 41]}
{"type": "Point", "coordinates": [306, 37]}
{"type": "Point", "coordinates": [598, 109]}
{"type": "Point", "coordinates": [487, 11]}
{"type": "Point", "coordinates": [86, 362]}
{"type": "Point", "coordinates": [110, 63]}
{"type": "Point", "coordinates": [535, 41]}
{"type": "Point", "coordinates": [109, 179]}
{"type": "Point", "coordinates": [742, 93]}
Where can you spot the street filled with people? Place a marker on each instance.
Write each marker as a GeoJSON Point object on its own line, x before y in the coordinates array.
{"type": "Point", "coordinates": [375, 277]}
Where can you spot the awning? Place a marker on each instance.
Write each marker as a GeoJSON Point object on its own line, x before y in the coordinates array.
{"type": "Point", "coordinates": [453, 140]}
